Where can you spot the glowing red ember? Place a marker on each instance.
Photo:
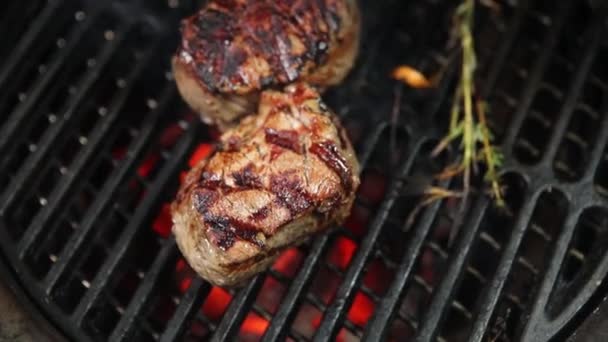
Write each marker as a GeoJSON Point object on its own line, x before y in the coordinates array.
{"type": "Point", "coordinates": [342, 252]}
{"type": "Point", "coordinates": [201, 152]}
{"type": "Point", "coordinates": [148, 165]}
{"type": "Point", "coordinates": [184, 275]}
{"type": "Point", "coordinates": [254, 325]}
{"type": "Point", "coordinates": [288, 262]}
{"type": "Point", "coordinates": [361, 310]}
{"type": "Point", "coordinates": [216, 303]}
{"type": "Point", "coordinates": [162, 224]}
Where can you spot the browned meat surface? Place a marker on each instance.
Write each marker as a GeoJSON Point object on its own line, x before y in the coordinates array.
{"type": "Point", "coordinates": [277, 178]}
{"type": "Point", "coordinates": [233, 49]}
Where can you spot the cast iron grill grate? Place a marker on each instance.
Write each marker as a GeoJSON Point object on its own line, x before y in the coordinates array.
{"type": "Point", "coordinates": [94, 138]}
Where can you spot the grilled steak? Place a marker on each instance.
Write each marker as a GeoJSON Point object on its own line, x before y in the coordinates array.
{"type": "Point", "coordinates": [277, 178]}
{"type": "Point", "coordinates": [231, 50]}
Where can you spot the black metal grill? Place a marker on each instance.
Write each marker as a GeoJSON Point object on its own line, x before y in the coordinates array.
{"type": "Point", "coordinates": [93, 138]}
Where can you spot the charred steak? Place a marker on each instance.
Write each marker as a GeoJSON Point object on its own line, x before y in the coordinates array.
{"type": "Point", "coordinates": [274, 180]}
{"type": "Point", "coordinates": [231, 50]}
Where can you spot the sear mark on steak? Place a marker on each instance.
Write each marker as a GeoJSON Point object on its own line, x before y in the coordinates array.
{"type": "Point", "coordinates": [225, 231]}
{"type": "Point", "coordinates": [247, 177]}
{"type": "Point", "coordinates": [290, 193]}
{"type": "Point", "coordinates": [327, 151]}
{"type": "Point", "coordinates": [286, 138]}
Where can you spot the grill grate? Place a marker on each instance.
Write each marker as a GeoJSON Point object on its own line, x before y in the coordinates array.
{"type": "Point", "coordinates": [94, 139]}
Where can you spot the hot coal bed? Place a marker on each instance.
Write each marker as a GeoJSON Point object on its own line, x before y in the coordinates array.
{"type": "Point", "coordinates": [94, 141]}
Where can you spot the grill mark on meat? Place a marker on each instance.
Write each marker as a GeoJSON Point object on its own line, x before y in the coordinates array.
{"type": "Point", "coordinates": [288, 139]}
{"type": "Point", "coordinates": [203, 199]}
{"type": "Point", "coordinates": [211, 181]}
{"type": "Point", "coordinates": [333, 20]}
{"type": "Point", "coordinates": [220, 39]}
{"type": "Point", "coordinates": [327, 151]}
{"type": "Point", "coordinates": [290, 193]}
{"type": "Point", "coordinates": [247, 178]}
{"type": "Point", "coordinates": [225, 231]}
{"type": "Point", "coordinates": [260, 214]}
{"type": "Point", "coordinates": [219, 232]}
{"type": "Point", "coordinates": [246, 231]}
{"type": "Point", "coordinates": [288, 61]}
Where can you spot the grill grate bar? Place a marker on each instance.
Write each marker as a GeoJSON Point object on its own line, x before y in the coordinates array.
{"type": "Point", "coordinates": [378, 327]}
{"type": "Point", "coordinates": [552, 274]}
{"type": "Point", "coordinates": [54, 134]}
{"type": "Point", "coordinates": [500, 59]}
{"type": "Point", "coordinates": [141, 216]}
{"type": "Point", "coordinates": [345, 293]}
{"type": "Point", "coordinates": [389, 305]}
{"type": "Point", "coordinates": [387, 308]}
{"type": "Point", "coordinates": [104, 199]}
{"type": "Point", "coordinates": [228, 327]}
{"type": "Point", "coordinates": [83, 159]}
{"type": "Point", "coordinates": [534, 81]}
{"type": "Point", "coordinates": [575, 90]}
{"type": "Point", "coordinates": [315, 301]}
{"type": "Point", "coordinates": [540, 75]}
{"type": "Point", "coordinates": [22, 50]}
{"type": "Point", "coordinates": [440, 304]}
{"type": "Point", "coordinates": [19, 116]}
{"type": "Point", "coordinates": [231, 322]}
{"type": "Point", "coordinates": [565, 238]}
{"type": "Point", "coordinates": [279, 326]}
{"type": "Point", "coordinates": [597, 154]}
{"type": "Point", "coordinates": [497, 283]}
{"type": "Point", "coordinates": [190, 303]}
{"type": "Point", "coordinates": [510, 252]}
{"type": "Point", "coordinates": [542, 326]}
{"type": "Point", "coordinates": [442, 296]}
{"type": "Point", "coordinates": [143, 295]}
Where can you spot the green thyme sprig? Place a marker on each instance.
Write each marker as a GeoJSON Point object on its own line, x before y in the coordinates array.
{"type": "Point", "coordinates": [468, 121]}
